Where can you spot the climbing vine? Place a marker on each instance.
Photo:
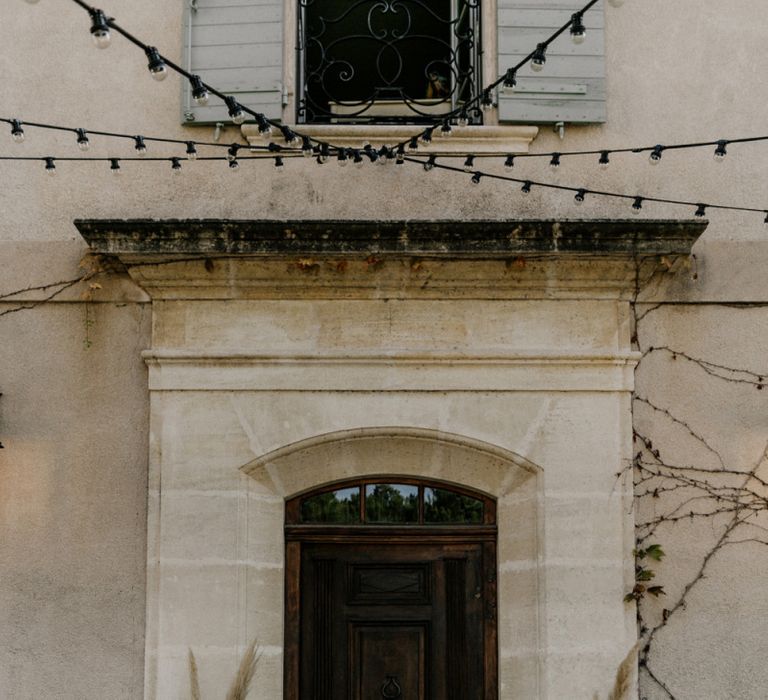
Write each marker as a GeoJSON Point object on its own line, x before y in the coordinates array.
{"type": "Point", "coordinates": [669, 490]}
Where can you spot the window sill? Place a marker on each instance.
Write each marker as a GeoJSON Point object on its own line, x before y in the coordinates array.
{"type": "Point", "coordinates": [463, 139]}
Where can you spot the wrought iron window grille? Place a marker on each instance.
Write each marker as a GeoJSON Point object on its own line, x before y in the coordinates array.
{"type": "Point", "coordinates": [387, 61]}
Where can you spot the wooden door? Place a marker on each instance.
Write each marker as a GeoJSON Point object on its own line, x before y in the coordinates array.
{"type": "Point", "coordinates": [402, 621]}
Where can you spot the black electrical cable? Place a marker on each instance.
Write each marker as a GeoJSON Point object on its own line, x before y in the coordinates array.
{"type": "Point", "coordinates": [583, 190]}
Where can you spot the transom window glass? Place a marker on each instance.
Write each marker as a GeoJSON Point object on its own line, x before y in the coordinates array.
{"type": "Point", "coordinates": [383, 502]}
{"type": "Point", "coordinates": [381, 61]}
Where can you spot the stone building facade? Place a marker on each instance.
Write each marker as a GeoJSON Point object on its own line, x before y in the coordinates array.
{"type": "Point", "coordinates": [236, 342]}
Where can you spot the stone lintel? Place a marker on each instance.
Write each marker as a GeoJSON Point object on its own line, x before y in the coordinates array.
{"type": "Point", "coordinates": [147, 238]}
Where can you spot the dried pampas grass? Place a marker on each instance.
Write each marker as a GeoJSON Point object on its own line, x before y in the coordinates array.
{"type": "Point", "coordinates": [623, 683]}
{"type": "Point", "coordinates": [194, 680]}
{"type": "Point", "coordinates": [242, 683]}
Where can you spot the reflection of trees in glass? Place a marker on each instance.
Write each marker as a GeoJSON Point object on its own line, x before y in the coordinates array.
{"type": "Point", "coordinates": [342, 506]}
{"type": "Point", "coordinates": [442, 506]}
{"type": "Point", "coordinates": [391, 503]}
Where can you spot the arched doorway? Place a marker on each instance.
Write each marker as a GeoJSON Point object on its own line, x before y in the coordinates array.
{"type": "Point", "coordinates": [391, 592]}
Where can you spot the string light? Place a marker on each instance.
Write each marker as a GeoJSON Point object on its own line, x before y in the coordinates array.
{"type": "Point", "coordinates": [463, 119]}
{"type": "Point", "coordinates": [279, 163]}
{"type": "Point", "coordinates": [510, 78]}
{"type": "Point", "coordinates": [413, 144]}
{"type": "Point", "coordinates": [17, 133]}
{"type": "Point", "coordinates": [509, 163]}
{"type": "Point", "coordinates": [487, 102]}
{"type": "Point", "coordinates": [100, 29]}
{"type": "Point", "coordinates": [469, 164]}
{"type": "Point", "coordinates": [234, 165]}
{"type": "Point", "coordinates": [191, 150]}
{"type": "Point", "coordinates": [156, 64]}
{"type": "Point", "coordinates": [357, 159]}
{"type": "Point", "coordinates": [342, 157]}
{"type": "Point", "coordinates": [232, 152]}
{"type": "Point", "coordinates": [114, 166]}
{"type": "Point", "coordinates": [720, 151]}
{"type": "Point", "coordinates": [655, 156]}
{"type": "Point", "coordinates": [637, 205]}
{"type": "Point", "coordinates": [579, 197]}
{"type": "Point", "coordinates": [578, 31]}
{"type": "Point", "coordinates": [400, 158]}
{"type": "Point", "coordinates": [555, 161]}
{"type": "Point", "coordinates": [265, 128]}
{"type": "Point", "coordinates": [306, 147]}
{"type": "Point", "coordinates": [476, 178]}
{"type": "Point", "coordinates": [290, 136]}
{"type": "Point", "coordinates": [604, 161]}
{"type": "Point", "coordinates": [766, 218]}
{"type": "Point", "coordinates": [324, 154]}
{"type": "Point", "coordinates": [175, 165]}
{"type": "Point", "coordinates": [141, 147]}
{"type": "Point", "coordinates": [235, 110]}
{"type": "Point", "coordinates": [539, 57]}
{"type": "Point", "coordinates": [701, 210]}
{"type": "Point", "coordinates": [50, 166]}
{"type": "Point", "coordinates": [430, 163]}
{"type": "Point", "coordinates": [445, 129]}
{"type": "Point", "coordinates": [526, 188]}
{"type": "Point", "coordinates": [426, 137]}
{"type": "Point", "coordinates": [200, 93]}
{"type": "Point", "coordinates": [83, 143]}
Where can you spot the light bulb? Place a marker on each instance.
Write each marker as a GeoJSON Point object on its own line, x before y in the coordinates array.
{"type": "Point", "coordinates": [342, 157]}
{"type": "Point", "coordinates": [555, 161]}
{"type": "Point", "coordinates": [358, 159]}
{"type": "Point", "coordinates": [476, 178]}
{"type": "Point", "coordinates": [100, 29]}
{"type": "Point", "coordinates": [579, 198]}
{"type": "Point", "coordinates": [655, 156]}
{"type": "Point", "coordinates": [234, 165]}
{"type": "Point", "coordinates": [430, 163]}
{"type": "Point", "coordinates": [413, 145]}
{"type": "Point", "coordinates": [637, 205]}
{"type": "Point", "coordinates": [578, 31]}
{"type": "Point", "coordinates": [141, 147]}
{"type": "Point", "coordinates": [445, 129]}
{"type": "Point", "coordinates": [510, 78]}
{"type": "Point", "coordinates": [509, 163]}
{"type": "Point", "coordinates": [175, 166]}
{"type": "Point", "coordinates": [114, 166]}
{"type": "Point", "coordinates": [279, 163]}
{"type": "Point", "coordinates": [720, 151]}
{"type": "Point", "coordinates": [82, 140]}
{"type": "Point", "coordinates": [426, 137]}
{"type": "Point", "coordinates": [306, 147]}
{"type": "Point", "coordinates": [463, 119]}
{"type": "Point", "coordinates": [17, 133]}
{"type": "Point", "coordinates": [487, 102]}
{"type": "Point", "coordinates": [191, 150]}
{"type": "Point", "coordinates": [50, 166]}
{"type": "Point", "coordinates": [236, 112]}
{"type": "Point", "coordinates": [701, 210]}
{"type": "Point", "coordinates": [526, 188]}
{"type": "Point", "coordinates": [157, 68]}
{"type": "Point", "coordinates": [539, 58]}
{"type": "Point", "coordinates": [232, 152]}
{"type": "Point", "coordinates": [604, 161]}
{"type": "Point", "coordinates": [469, 164]}
{"type": "Point", "coordinates": [400, 158]}
{"type": "Point", "coordinates": [200, 93]}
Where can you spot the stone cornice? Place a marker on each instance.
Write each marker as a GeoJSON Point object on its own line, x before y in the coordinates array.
{"type": "Point", "coordinates": [225, 259]}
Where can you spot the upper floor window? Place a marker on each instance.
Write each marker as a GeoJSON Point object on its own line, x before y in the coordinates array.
{"type": "Point", "coordinates": [386, 60]}
{"type": "Point", "coordinates": [390, 61]}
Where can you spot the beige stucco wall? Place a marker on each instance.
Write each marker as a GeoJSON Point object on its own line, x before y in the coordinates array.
{"type": "Point", "coordinates": [73, 472]}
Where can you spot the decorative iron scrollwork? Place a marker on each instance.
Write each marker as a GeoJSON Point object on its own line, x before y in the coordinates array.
{"type": "Point", "coordinates": [391, 689]}
{"type": "Point", "coordinates": [387, 60]}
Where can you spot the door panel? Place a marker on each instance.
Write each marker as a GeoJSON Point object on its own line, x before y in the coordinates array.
{"type": "Point", "coordinates": [392, 621]}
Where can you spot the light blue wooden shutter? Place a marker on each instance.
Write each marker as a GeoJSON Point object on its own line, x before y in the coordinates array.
{"type": "Point", "coordinates": [571, 88]}
{"type": "Point", "coordinates": [236, 46]}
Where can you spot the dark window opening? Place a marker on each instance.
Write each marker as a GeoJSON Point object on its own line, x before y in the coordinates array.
{"type": "Point", "coordinates": [391, 502]}
{"type": "Point", "coordinates": [383, 61]}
